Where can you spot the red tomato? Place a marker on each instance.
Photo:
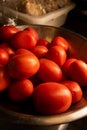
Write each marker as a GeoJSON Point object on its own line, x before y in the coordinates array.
{"type": "Point", "coordinates": [49, 71]}
{"type": "Point", "coordinates": [60, 41]}
{"type": "Point", "coordinates": [20, 90]}
{"type": "Point", "coordinates": [23, 66]}
{"type": "Point", "coordinates": [40, 51]}
{"type": "Point", "coordinates": [22, 51]}
{"type": "Point", "coordinates": [75, 89]}
{"type": "Point", "coordinates": [23, 39]}
{"type": "Point", "coordinates": [51, 98]}
{"type": "Point", "coordinates": [57, 54]}
{"type": "Point", "coordinates": [43, 42]}
{"type": "Point", "coordinates": [6, 32]}
{"type": "Point", "coordinates": [78, 72]}
{"type": "Point", "coordinates": [4, 79]}
{"type": "Point", "coordinates": [4, 57]}
{"type": "Point", "coordinates": [9, 49]}
{"type": "Point", "coordinates": [33, 32]}
{"type": "Point", "coordinates": [67, 64]}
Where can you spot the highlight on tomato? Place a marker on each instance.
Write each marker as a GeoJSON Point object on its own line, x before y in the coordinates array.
{"type": "Point", "coordinates": [60, 41]}
{"type": "Point", "coordinates": [4, 57]}
{"type": "Point", "coordinates": [7, 31]}
{"type": "Point", "coordinates": [57, 54]}
{"type": "Point", "coordinates": [78, 72]}
{"type": "Point", "coordinates": [33, 32]}
{"type": "Point", "coordinates": [43, 42]}
{"type": "Point", "coordinates": [75, 89]}
{"type": "Point", "coordinates": [40, 51]}
{"type": "Point", "coordinates": [67, 64]}
{"type": "Point", "coordinates": [23, 66]}
{"type": "Point", "coordinates": [49, 71]}
{"type": "Point", "coordinates": [23, 39]}
{"type": "Point", "coordinates": [51, 98]}
{"type": "Point", "coordinates": [20, 91]}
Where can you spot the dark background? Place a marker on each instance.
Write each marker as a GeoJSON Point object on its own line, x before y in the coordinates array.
{"type": "Point", "coordinates": [77, 18]}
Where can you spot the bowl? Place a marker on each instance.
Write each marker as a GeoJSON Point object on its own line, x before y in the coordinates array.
{"type": "Point", "coordinates": [15, 113]}
{"type": "Point", "coordinates": [55, 18]}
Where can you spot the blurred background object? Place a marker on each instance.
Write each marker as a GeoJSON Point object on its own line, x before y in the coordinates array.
{"type": "Point", "coordinates": [30, 12]}
{"type": "Point", "coordinates": [40, 7]}
{"type": "Point", "coordinates": [5, 18]}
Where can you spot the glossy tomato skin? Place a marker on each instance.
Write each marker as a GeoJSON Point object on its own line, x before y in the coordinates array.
{"type": "Point", "coordinates": [23, 39]}
{"type": "Point", "coordinates": [51, 98]}
{"type": "Point", "coordinates": [4, 57]}
{"type": "Point", "coordinates": [67, 64]}
{"type": "Point", "coordinates": [40, 50]}
{"type": "Point", "coordinates": [33, 32]}
{"type": "Point", "coordinates": [6, 32]}
{"type": "Point", "coordinates": [75, 89]}
{"type": "Point", "coordinates": [57, 54]}
{"type": "Point", "coordinates": [22, 51]}
{"type": "Point", "coordinates": [23, 66]}
{"type": "Point", "coordinates": [8, 48]}
{"type": "Point", "coordinates": [49, 71]}
{"type": "Point", "coordinates": [43, 42]}
{"type": "Point", "coordinates": [4, 79]}
{"type": "Point", "coordinates": [20, 90]}
{"type": "Point", "coordinates": [78, 72]}
{"type": "Point", "coordinates": [60, 41]}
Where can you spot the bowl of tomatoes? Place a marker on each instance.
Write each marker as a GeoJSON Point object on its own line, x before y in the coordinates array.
{"type": "Point", "coordinates": [43, 75]}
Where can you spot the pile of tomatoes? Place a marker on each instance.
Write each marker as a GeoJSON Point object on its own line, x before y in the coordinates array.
{"type": "Point", "coordinates": [32, 67]}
